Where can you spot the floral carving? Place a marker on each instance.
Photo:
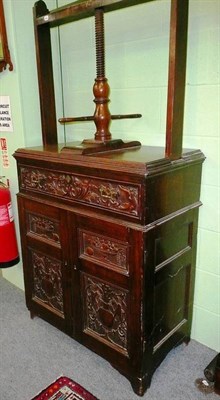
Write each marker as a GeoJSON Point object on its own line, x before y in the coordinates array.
{"type": "Point", "coordinates": [104, 249]}
{"type": "Point", "coordinates": [110, 195]}
{"type": "Point", "coordinates": [47, 281]}
{"type": "Point", "coordinates": [105, 311]}
{"type": "Point", "coordinates": [44, 227]}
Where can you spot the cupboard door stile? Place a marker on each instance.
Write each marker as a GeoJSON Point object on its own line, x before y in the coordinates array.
{"type": "Point", "coordinates": [71, 242]}
{"type": "Point", "coordinates": [67, 271]}
{"type": "Point", "coordinates": [141, 305]}
{"type": "Point", "coordinates": [23, 235]}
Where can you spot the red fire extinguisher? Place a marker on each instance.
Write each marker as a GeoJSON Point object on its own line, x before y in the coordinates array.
{"type": "Point", "coordinates": [8, 244]}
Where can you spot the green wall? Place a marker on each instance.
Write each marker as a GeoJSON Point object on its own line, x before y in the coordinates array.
{"type": "Point", "coordinates": [136, 67]}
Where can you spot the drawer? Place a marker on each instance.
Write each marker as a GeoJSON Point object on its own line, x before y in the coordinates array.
{"type": "Point", "coordinates": [104, 250]}
{"type": "Point", "coordinates": [121, 197]}
{"type": "Point", "coordinates": [42, 222]}
{"type": "Point", "coordinates": [104, 243]}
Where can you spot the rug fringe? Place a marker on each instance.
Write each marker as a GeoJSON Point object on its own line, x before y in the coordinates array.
{"type": "Point", "coordinates": [41, 391]}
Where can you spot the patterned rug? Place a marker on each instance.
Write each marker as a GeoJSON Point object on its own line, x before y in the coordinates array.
{"type": "Point", "coordinates": [64, 389]}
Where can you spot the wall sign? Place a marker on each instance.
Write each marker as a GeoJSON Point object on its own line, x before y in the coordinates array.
{"type": "Point", "coordinates": [5, 114]}
{"type": "Point", "coordinates": [4, 152]}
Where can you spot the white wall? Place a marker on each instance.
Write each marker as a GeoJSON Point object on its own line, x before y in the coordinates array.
{"type": "Point", "coordinates": [202, 129]}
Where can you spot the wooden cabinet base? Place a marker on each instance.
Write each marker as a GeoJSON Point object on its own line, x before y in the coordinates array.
{"type": "Point", "coordinates": [109, 247]}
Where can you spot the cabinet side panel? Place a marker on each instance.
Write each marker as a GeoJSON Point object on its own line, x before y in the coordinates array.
{"type": "Point", "coordinates": [173, 191]}
{"type": "Point", "coordinates": [172, 246]}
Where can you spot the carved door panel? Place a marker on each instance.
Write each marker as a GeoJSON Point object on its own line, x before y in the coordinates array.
{"type": "Point", "coordinates": [104, 266]}
{"type": "Point", "coordinates": [45, 260]}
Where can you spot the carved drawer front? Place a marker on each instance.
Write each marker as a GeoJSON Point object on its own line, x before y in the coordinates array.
{"type": "Point", "coordinates": [43, 222]}
{"type": "Point", "coordinates": [43, 227]}
{"type": "Point", "coordinates": [109, 195]}
{"type": "Point", "coordinates": [106, 251]}
{"type": "Point", "coordinates": [105, 312]}
{"type": "Point", "coordinates": [47, 281]}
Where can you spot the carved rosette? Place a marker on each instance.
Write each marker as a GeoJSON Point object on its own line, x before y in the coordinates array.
{"type": "Point", "coordinates": [47, 281]}
{"type": "Point", "coordinates": [109, 195]}
{"type": "Point", "coordinates": [44, 228]}
{"type": "Point", "coordinates": [105, 312]}
{"type": "Point", "coordinates": [109, 252]}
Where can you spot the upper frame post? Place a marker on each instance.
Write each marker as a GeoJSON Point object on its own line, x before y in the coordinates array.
{"type": "Point", "coordinates": [45, 76]}
{"type": "Point", "coordinates": [176, 80]}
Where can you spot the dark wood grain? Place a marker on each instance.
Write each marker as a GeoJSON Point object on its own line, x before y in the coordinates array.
{"type": "Point", "coordinates": [83, 9]}
{"type": "Point", "coordinates": [176, 80]}
{"type": "Point", "coordinates": [45, 77]}
{"type": "Point", "coordinates": [121, 241]}
{"type": "Point", "coordinates": [109, 239]}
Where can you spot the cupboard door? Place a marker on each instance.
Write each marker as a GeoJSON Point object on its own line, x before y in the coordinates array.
{"type": "Point", "coordinates": [106, 283]}
{"type": "Point", "coordinates": [45, 260]}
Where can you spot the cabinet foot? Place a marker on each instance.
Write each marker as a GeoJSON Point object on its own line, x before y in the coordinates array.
{"type": "Point", "coordinates": [32, 314]}
{"type": "Point", "coordinates": [140, 385]}
{"type": "Point", "coordinates": [186, 340]}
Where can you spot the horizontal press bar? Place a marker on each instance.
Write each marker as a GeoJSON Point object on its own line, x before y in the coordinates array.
{"type": "Point", "coordinates": [91, 118]}
{"type": "Point", "coordinates": [83, 9]}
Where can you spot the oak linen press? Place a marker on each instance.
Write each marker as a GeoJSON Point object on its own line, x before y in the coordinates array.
{"type": "Point", "coordinates": [109, 228]}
